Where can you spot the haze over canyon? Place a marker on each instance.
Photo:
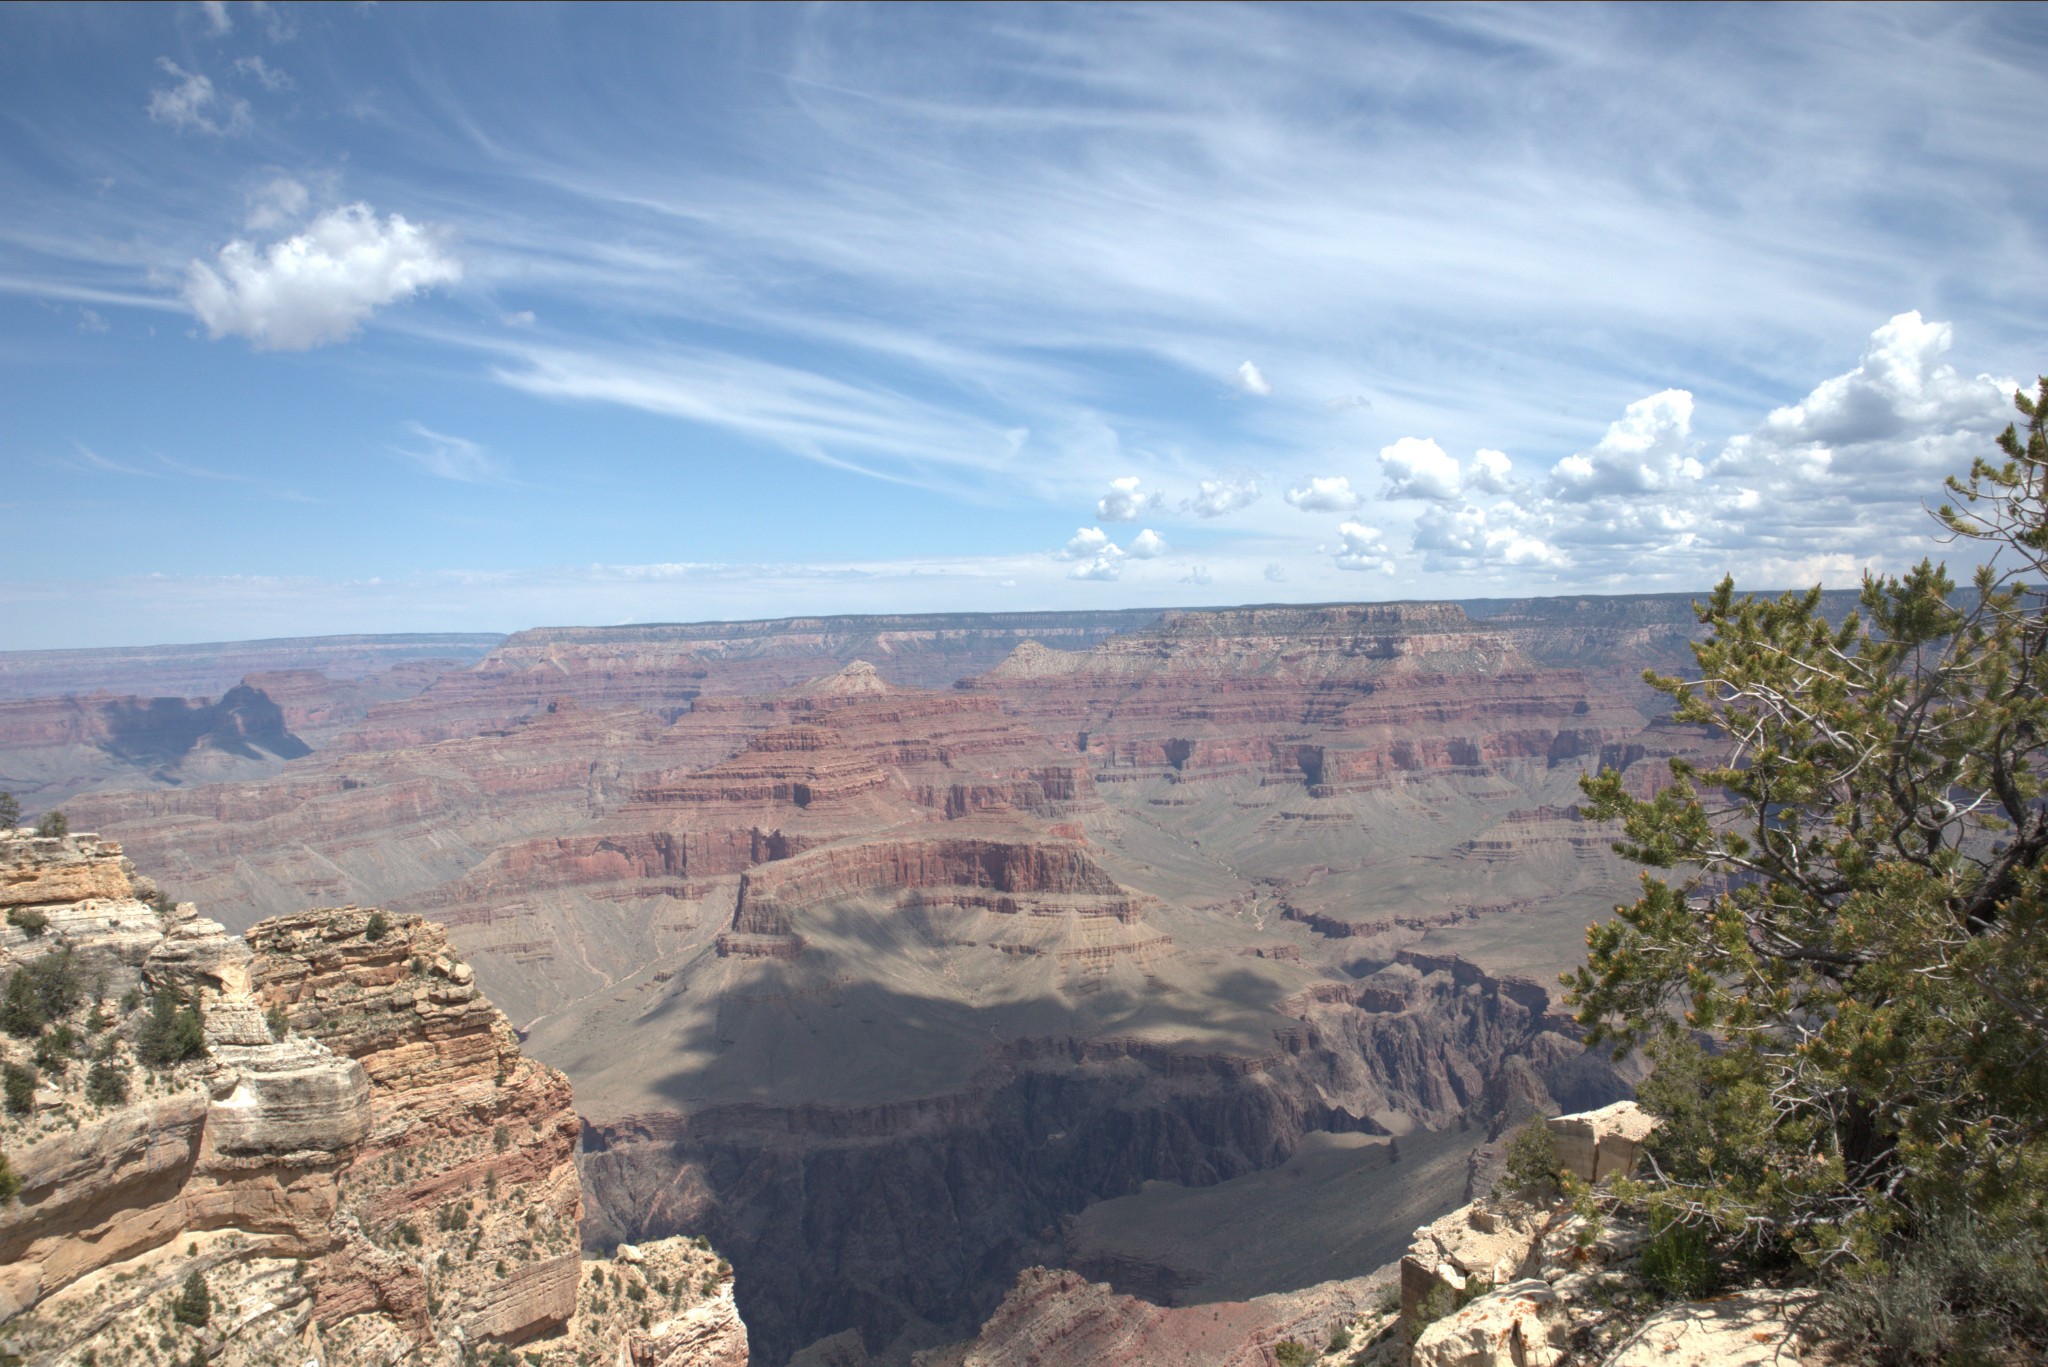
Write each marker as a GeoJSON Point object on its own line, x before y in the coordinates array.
{"type": "Point", "coordinates": [1192, 950]}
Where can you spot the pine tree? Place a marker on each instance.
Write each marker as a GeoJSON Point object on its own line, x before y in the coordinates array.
{"type": "Point", "coordinates": [194, 1305]}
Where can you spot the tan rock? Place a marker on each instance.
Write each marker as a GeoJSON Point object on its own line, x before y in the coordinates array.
{"type": "Point", "coordinates": [1600, 1144]}
{"type": "Point", "coordinates": [1521, 1325]}
{"type": "Point", "coordinates": [1472, 1243]}
{"type": "Point", "coordinates": [1751, 1329]}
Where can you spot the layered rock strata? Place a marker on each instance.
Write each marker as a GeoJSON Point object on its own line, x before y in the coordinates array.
{"type": "Point", "coordinates": [324, 1128]}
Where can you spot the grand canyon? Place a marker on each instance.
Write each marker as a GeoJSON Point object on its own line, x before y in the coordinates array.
{"type": "Point", "coordinates": [1194, 955]}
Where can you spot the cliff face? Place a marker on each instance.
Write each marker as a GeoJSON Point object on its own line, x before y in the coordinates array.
{"type": "Point", "coordinates": [325, 1128]}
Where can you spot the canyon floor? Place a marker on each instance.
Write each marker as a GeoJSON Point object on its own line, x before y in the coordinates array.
{"type": "Point", "coordinates": [1193, 951]}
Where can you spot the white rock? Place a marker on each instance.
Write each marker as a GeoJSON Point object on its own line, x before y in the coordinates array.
{"type": "Point", "coordinates": [1520, 1325]}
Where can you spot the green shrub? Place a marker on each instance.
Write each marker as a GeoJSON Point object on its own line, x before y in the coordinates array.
{"type": "Point", "coordinates": [54, 980]}
{"type": "Point", "coordinates": [10, 1185]}
{"type": "Point", "coordinates": [20, 1085]}
{"type": "Point", "coordinates": [28, 920]}
{"type": "Point", "coordinates": [1679, 1263]}
{"type": "Point", "coordinates": [10, 812]}
{"type": "Point", "coordinates": [279, 1021]}
{"type": "Point", "coordinates": [1340, 1339]}
{"type": "Point", "coordinates": [194, 1305]}
{"type": "Point", "coordinates": [21, 1015]}
{"type": "Point", "coordinates": [1293, 1353]}
{"type": "Point", "coordinates": [54, 1049]}
{"type": "Point", "coordinates": [106, 1084]}
{"type": "Point", "coordinates": [1952, 1292]}
{"type": "Point", "coordinates": [172, 1034]}
{"type": "Point", "coordinates": [1532, 1159]}
{"type": "Point", "coordinates": [379, 926]}
{"type": "Point", "coordinates": [53, 825]}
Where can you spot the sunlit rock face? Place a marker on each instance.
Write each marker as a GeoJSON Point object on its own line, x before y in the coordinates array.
{"type": "Point", "coordinates": [352, 1157]}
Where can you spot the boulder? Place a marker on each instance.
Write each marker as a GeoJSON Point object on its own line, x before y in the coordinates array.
{"type": "Point", "coordinates": [1600, 1144]}
{"type": "Point", "coordinates": [1522, 1324]}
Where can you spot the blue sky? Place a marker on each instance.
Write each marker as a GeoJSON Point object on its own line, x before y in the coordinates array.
{"type": "Point", "coordinates": [404, 317]}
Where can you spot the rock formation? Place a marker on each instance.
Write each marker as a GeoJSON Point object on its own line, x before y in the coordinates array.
{"type": "Point", "coordinates": [318, 1143]}
{"type": "Point", "coordinates": [878, 985]}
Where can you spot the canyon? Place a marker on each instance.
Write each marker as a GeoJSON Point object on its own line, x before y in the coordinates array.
{"type": "Point", "coordinates": [899, 956]}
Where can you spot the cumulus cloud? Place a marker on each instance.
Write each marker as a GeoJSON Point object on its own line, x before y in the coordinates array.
{"type": "Point", "coordinates": [1491, 473]}
{"type": "Point", "coordinates": [1468, 536]}
{"type": "Point", "coordinates": [455, 458]}
{"type": "Point", "coordinates": [1248, 379]}
{"type": "Point", "coordinates": [1107, 564]}
{"type": "Point", "coordinates": [1643, 452]}
{"type": "Point", "coordinates": [1198, 576]}
{"type": "Point", "coordinates": [1363, 549]}
{"type": "Point", "coordinates": [1216, 497]}
{"type": "Point", "coordinates": [1085, 542]}
{"type": "Point", "coordinates": [216, 12]}
{"type": "Point", "coordinates": [194, 105]}
{"type": "Point", "coordinates": [1123, 502]}
{"type": "Point", "coordinates": [1148, 545]}
{"type": "Point", "coordinates": [1319, 495]}
{"type": "Point", "coordinates": [1276, 573]}
{"type": "Point", "coordinates": [320, 284]}
{"type": "Point", "coordinates": [1417, 467]}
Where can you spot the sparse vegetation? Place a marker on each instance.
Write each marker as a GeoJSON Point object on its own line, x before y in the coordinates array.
{"type": "Point", "coordinates": [54, 825]}
{"type": "Point", "coordinates": [19, 1082]}
{"type": "Point", "coordinates": [106, 1084]}
{"type": "Point", "coordinates": [194, 1304]}
{"type": "Point", "coordinates": [172, 1034]}
{"type": "Point", "coordinates": [10, 1185]}
{"type": "Point", "coordinates": [378, 927]}
{"type": "Point", "coordinates": [1293, 1353]}
{"type": "Point", "coordinates": [30, 921]}
{"type": "Point", "coordinates": [1531, 1159]}
{"type": "Point", "coordinates": [10, 812]}
{"type": "Point", "coordinates": [1678, 1262]}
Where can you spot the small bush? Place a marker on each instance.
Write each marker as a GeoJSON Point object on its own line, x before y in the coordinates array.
{"type": "Point", "coordinates": [194, 1306]}
{"type": "Point", "coordinates": [10, 812]}
{"type": "Point", "coordinates": [21, 1015]}
{"type": "Point", "coordinates": [407, 1233]}
{"type": "Point", "coordinates": [379, 926]}
{"type": "Point", "coordinates": [1340, 1339]}
{"type": "Point", "coordinates": [106, 1084]}
{"type": "Point", "coordinates": [172, 1034]}
{"type": "Point", "coordinates": [1953, 1292]}
{"type": "Point", "coordinates": [20, 1086]}
{"type": "Point", "coordinates": [279, 1021]}
{"type": "Point", "coordinates": [28, 920]}
{"type": "Point", "coordinates": [1532, 1159]}
{"type": "Point", "coordinates": [55, 1048]}
{"type": "Point", "coordinates": [501, 1138]}
{"type": "Point", "coordinates": [1678, 1262]}
{"type": "Point", "coordinates": [1293, 1353]}
{"type": "Point", "coordinates": [10, 1185]}
{"type": "Point", "coordinates": [53, 825]}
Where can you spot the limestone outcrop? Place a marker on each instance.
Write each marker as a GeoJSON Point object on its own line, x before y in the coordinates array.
{"type": "Point", "coordinates": [319, 1143]}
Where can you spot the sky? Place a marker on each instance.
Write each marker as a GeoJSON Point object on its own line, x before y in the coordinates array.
{"type": "Point", "coordinates": [392, 318]}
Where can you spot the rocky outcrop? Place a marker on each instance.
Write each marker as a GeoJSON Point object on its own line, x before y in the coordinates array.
{"type": "Point", "coordinates": [1051, 1318]}
{"type": "Point", "coordinates": [325, 1128]}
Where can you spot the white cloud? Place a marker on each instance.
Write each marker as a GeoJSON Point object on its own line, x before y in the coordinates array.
{"type": "Point", "coordinates": [456, 458]}
{"type": "Point", "coordinates": [1363, 549]}
{"type": "Point", "coordinates": [1491, 473]}
{"type": "Point", "coordinates": [1643, 452]}
{"type": "Point", "coordinates": [319, 285]}
{"type": "Point", "coordinates": [1276, 573]}
{"type": "Point", "coordinates": [216, 12]}
{"type": "Point", "coordinates": [277, 203]}
{"type": "Point", "coordinates": [1320, 495]}
{"type": "Point", "coordinates": [1107, 564]}
{"type": "Point", "coordinates": [1085, 542]}
{"type": "Point", "coordinates": [268, 76]}
{"type": "Point", "coordinates": [1469, 536]}
{"type": "Point", "coordinates": [1248, 379]}
{"type": "Point", "coordinates": [1123, 502]}
{"type": "Point", "coordinates": [1416, 467]}
{"type": "Point", "coordinates": [1216, 497]}
{"type": "Point", "coordinates": [194, 104]}
{"type": "Point", "coordinates": [1148, 545]}
{"type": "Point", "coordinates": [1198, 576]}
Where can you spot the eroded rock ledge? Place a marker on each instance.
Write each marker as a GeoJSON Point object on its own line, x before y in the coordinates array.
{"type": "Point", "coordinates": [353, 1162]}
